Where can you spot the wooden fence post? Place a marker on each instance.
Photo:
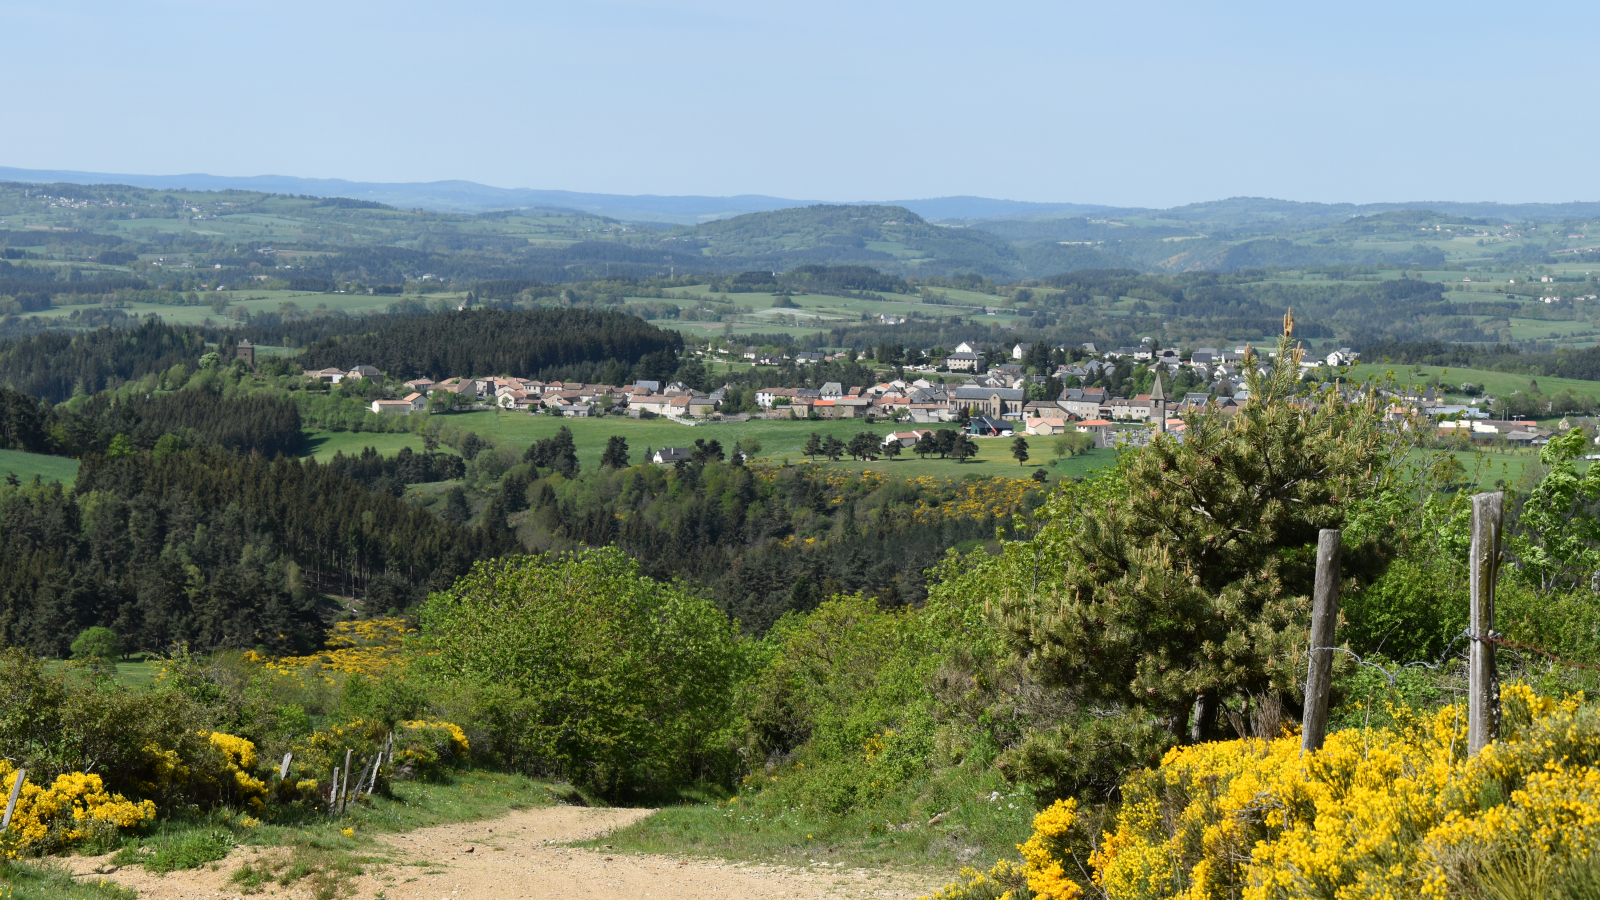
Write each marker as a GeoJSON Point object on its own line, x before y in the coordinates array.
{"type": "Point", "coordinates": [283, 770]}
{"type": "Point", "coordinates": [333, 792]}
{"type": "Point", "coordinates": [1483, 689]}
{"type": "Point", "coordinates": [1324, 616]}
{"type": "Point", "coordinates": [11, 802]}
{"type": "Point", "coordinates": [344, 786]}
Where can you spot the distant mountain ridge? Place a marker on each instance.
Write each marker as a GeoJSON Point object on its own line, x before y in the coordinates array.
{"type": "Point", "coordinates": [470, 197]}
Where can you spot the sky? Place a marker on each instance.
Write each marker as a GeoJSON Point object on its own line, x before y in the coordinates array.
{"type": "Point", "coordinates": [1129, 103]}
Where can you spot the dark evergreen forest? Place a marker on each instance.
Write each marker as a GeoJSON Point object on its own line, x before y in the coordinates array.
{"type": "Point", "coordinates": [390, 474]}
{"type": "Point", "coordinates": [55, 365]}
{"type": "Point", "coordinates": [498, 342]}
{"type": "Point", "coordinates": [760, 541]}
{"type": "Point", "coordinates": [214, 549]}
{"type": "Point", "coordinates": [118, 424]}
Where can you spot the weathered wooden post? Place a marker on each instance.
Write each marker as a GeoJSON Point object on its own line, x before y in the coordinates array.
{"type": "Point", "coordinates": [1483, 689]}
{"type": "Point", "coordinates": [333, 792]}
{"type": "Point", "coordinates": [11, 802]}
{"type": "Point", "coordinates": [283, 770]}
{"type": "Point", "coordinates": [344, 786]}
{"type": "Point", "coordinates": [1324, 616]}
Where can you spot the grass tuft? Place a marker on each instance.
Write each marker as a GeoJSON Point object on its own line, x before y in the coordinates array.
{"type": "Point", "coordinates": [50, 880]}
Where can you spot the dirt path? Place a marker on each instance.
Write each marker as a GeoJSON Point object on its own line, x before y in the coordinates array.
{"type": "Point", "coordinates": [519, 857]}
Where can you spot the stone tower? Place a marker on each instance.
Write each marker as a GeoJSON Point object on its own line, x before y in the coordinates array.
{"type": "Point", "coordinates": [1158, 405]}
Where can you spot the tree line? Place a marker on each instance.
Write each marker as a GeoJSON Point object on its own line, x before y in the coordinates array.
{"type": "Point", "coordinates": [120, 424]}
{"type": "Point", "coordinates": [56, 365]}
{"type": "Point", "coordinates": [760, 542]}
{"type": "Point", "coordinates": [497, 342]}
{"type": "Point", "coordinates": [215, 549]}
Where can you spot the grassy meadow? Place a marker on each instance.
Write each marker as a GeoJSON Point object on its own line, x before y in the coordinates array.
{"type": "Point", "coordinates": [322, 445]}
{"type": "Point", "coordinates": [253, 301]}
{"type": "Point", "coordinates": [1496, 384]}
{"type": "Point", "coordinates": [780, 442]}
{"type": "Point", "coordinates": [26, 465]}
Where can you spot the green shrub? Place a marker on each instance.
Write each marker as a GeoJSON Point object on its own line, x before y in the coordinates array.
{"type": "Point", "coordinates": [97, 643]}
{"type": "Point", "coordinates": [578, 665]}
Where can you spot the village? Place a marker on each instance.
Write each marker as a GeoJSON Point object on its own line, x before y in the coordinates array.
{"type": "Point", "coordinates": [984, 391]}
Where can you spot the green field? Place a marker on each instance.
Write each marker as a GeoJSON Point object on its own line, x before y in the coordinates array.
{"type": "Point", "coordinates": [780, 442]}
{"type": "Point", "coordinates": [253, 301]}
{"type": "Point", "coordinates": [819, 312]}
{"type": "Point", "coordinates": [1496, 384]}
{"type": "Point", "coordinates": [322, 445]}
{"type": "Point", "coordinates": [137, 673]}
{"type": "Point", "coordinates": [49, 468]}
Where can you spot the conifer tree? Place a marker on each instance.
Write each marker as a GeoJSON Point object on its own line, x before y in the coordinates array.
{"type": "Point", "coordinates": [616, 452]}
{"type": "Point", "coordinates": [1177, 588]}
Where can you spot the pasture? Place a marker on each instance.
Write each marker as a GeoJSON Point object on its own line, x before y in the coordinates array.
{"type": "Point", "coordinates": [49, 468]}
{"type": "Point", "coordinates": [780, 442]}
{"type": "Point", "coordinates": [1495, 384]}
{"type": "Point", "coordinates": [322, 445]}
{"type": "Point", "coordinates": [255, 302]}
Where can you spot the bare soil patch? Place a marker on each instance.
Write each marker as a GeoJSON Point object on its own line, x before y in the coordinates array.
{"type": "Point", "coordinates": [522, 856]}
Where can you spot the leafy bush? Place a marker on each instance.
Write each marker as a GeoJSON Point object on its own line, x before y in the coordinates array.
{"type": "Point", "coordinates": [580, 666]}
{"type": "Point", "coordinates": [426, 749]}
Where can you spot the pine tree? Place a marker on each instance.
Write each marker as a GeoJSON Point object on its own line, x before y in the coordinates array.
{"type": "Point", "coordinates": [616, 452]}
{"type": "Point", "coordinates": [813, 447]}
{"type": "Point", "coordinates": [962, 447]}
{"type": "Point", "coordinates": [862, 445]}
{"type": "Point", "coordinates": [1179, 585]}
{"type": "Point", "coordinates": [1019, 448]}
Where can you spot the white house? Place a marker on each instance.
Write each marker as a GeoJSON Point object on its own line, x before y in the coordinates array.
{"type": "Point", "coordinates": [1047, 425]}
{"type": "Point", "coordinates": [906, 438]}
{"type": "Point", "coordinates": [963, 361]}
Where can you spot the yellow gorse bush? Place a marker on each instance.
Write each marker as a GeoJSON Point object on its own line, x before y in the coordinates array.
{"type": "Point", "coordinates": [453, 733]}
{"type": "Point", "coordinates": [51, 819]}
{"type": "Point", "coordinates": [974, 498]}
{"type": "Point", "coordinates": [240, 758]}
{"type": "Point", "coordinates": [365, 647]}
{"type": "Point", "coordinates": [1395, 812]}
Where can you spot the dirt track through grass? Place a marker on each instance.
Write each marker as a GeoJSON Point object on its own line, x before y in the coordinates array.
{"type": "Point", "coordinates": [521, 855]}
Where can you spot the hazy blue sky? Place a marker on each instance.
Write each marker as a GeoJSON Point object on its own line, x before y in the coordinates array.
{"type": "Point", "coordinates": [1129, 103]}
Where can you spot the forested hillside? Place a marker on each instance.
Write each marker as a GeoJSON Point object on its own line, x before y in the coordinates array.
{"type": "Point", "coordinates": [213, 549]}
{"type": "Point", "coordinates": [766, 541]}
{"type": "Point", "coordinates": [119, 424]}
{"type": "Point", "coordinates": [57, 365]}
{"type": "Point", "coordinates": [522, 344]}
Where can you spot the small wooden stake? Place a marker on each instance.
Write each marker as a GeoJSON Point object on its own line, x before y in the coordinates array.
{"type": "Point", "coordinates": [344, 787]}
{"type": "Point", "coordinates": [1324, 616]}
{"type": "Point", "coordinates": [1483, 689]}
{"type": "Point", "coordinates": [11, 803]}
